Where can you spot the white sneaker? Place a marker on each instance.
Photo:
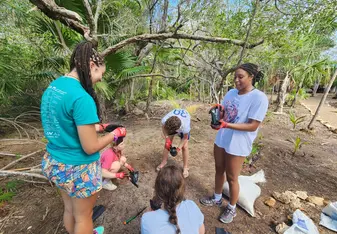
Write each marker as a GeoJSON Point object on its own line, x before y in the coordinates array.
{"type": "Point", "coordinates": [108, 185]}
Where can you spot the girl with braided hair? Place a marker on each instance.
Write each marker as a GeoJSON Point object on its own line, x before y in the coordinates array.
{"type": "Point", "coordinates": [175, 215]}
{"type": "Point", "coordinates": [243, 110]}
{"type": "Point", "coordinates": [69, 114]}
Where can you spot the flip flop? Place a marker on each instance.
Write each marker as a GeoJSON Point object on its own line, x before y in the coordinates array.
{"type": "Point", "coordinates": [97, 211]}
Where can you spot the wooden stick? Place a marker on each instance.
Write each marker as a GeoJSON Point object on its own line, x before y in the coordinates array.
{"type": "Point", "coordinates": [17, 173]}
{"type": "Point", "coordinates": [195, 140]}
{"type": "Point", "coordinates": [27, 168]}
{"type": "Point", "coordinates": [57, 228]}
{"type": "Point", "coordinates": [24, 139]}
{"type": "Point", "coordinates": [35, 182]}
{"type": "Point", "coordinates": [21, 169]}
{"type": "Point", "coordinates": [18, 160]}
{"type": "Point", "coordinates": [7, 154]}
{"type": "Point", "coordinates": [45, 214]}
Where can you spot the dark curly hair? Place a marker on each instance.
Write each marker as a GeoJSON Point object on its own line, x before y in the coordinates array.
{"type": "Point", "coordinates": [253, 70]}
{"type": "Point", "coordinates": [172, 124]}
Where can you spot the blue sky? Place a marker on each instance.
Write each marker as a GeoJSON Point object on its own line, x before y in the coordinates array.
{"type": "Point", "coordinates": [333, 51]}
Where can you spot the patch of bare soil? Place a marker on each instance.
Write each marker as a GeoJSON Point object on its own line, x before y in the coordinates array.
{"type": "Point", "coordinates": [312, 169]}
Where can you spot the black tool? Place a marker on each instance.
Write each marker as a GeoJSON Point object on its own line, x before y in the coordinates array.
{"type": "Point", "coordinates": [173, 151]}
{"type": "Point", "coordinates": [112, 127]}
{"type": "Point", "coordinates": [215, 114]}
{"type": "Point", "coordinates": [134, 176]}
{"type": "Point", "coordinates": [97, 211]}
{"type": "Point", "coordinates": [221, 231]}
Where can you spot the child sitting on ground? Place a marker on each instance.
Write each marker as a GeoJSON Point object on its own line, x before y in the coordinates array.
{"type": "Point", "coordinates": [112, 160]}
{"type": "Point", "coordinates": [172, 213]}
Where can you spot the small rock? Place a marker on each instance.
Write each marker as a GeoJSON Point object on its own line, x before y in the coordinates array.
{"type": "Point", "coordinates": [259, 213]}
{"type": "Point", "coordinates": [137, 111]}
{"type": "Point", "coordinates": [319, 201]}
{"type": "Point", "coordinates": [141, 105]}
{"type": "Point", "coordinates": [326, 202]}
{"type": "Point", "coordinates": [290, 195]}
{"type": "Point", "coordinates": [302, 194]}
{"type": "Point", "coordinates": [285, 197]}
{"type": "Point", "coordinates": [310, 204]}
{"type": "Point", "coordinates": [281, 228]}
{"type": "Point", "coordinates": [30, 227]}
{"type": "Point", "coordinates": [270, 202]}
{"type": "Point", "coordinates": [295, 204]}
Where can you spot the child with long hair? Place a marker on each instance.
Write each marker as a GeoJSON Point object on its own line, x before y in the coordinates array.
{"type": "Point", "coordinates": [175, 214]}
{"type": "Point", "coordinates": [112, 159]}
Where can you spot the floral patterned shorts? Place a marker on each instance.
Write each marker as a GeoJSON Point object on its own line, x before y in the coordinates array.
{"type": "Point", "coordinates": [78, 181]}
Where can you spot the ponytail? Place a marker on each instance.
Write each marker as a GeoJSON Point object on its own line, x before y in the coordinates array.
{"type": "Point", "coordinates": [80, 60]}
{"type": "Point", "coordinates": [253, 70]}
{"type": "Point", "coordinates": [169, 190]}
{"type": "Point", "coordinates": [171, 209]}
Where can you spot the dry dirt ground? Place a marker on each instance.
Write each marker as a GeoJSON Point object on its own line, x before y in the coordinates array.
{"type": "Point", "coordinates": [37, 208]}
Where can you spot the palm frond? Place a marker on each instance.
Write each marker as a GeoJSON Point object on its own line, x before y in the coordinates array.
{"type": "Point", "coordinates": [119, 61]}
{"type": "Point", "coordinates": [103, 88]}
{"type": "Point", "coordinates": [131, 71]}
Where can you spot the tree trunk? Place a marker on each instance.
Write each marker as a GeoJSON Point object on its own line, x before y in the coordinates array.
{"type": "Point", "coordinates": [316, 86]}
{"type": "Point", "coordinates": [198, 89]}
{"type": "Point", "coordinates": [191, 91]}
{"type": "Point", "coordinates": [210, 94]}
{"type": "Point", "coordinates": [127, 107]}
{"type": "Point", "coordinates": [278, 86]}
{"type": "Point", "coordinates": [203, 92]}
{"type": "Point", "coordinates": [283, 93]}
{"type": "Point", "coordinates": [272, 93]}
{"type": "Point", "coordinates": [132, 90]}
{"type": "Point", "coordinates": [326, 92]}
{"type": "Point", "coordinates": [224, 78]}
{"type": "Point", "coordinates": [102, 107]}
{"type": "Point", "coordinates": [297, 91]}
{"type": "Point", "coordinates": [149, 97]}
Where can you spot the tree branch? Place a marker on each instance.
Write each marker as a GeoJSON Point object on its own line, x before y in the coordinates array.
{"type": "Point", "coordinates": [90, 17]}
{"type": "Point", "coordinates": [23, 157]}
{"type": "Point", "coordinates": [98, 9]}
{"type": "Point", "coordinates": [67, 17]}
{"type": "Point", "coordinates": [25, 174]}
{"type": "Point", "coordinates": [279, 10]}
{"type": "Point", "coordinates": [164, 36]}
{"type": "Point", "coordinates": [248, 31]}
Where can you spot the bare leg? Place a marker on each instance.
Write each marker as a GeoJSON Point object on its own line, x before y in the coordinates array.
{"type": "Point", "coordinates": [68, 217]}
{"type": "Point", "coordinates": [165, 156]}
{"type": "Point", "coordinates": [233, 169]}
{"type": "Point", "coordinates": [111, 173]}
{"type": "Point", "coordinates": [185, 154]}
{"type": "Point", "coordinates": [220, 166]}
{"type": "Point", "coordinates": [82, 209]}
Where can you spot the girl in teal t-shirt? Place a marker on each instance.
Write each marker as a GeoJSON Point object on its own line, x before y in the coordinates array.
{"type": "Point", "coordinates": [69, 114]}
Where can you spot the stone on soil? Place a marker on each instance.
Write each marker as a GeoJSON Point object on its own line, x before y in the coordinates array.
{"type": "Point", "coordinates": [302, 194]}
{"type": "Point", "coordinates": [319, 201]}
{"type": "Point", "coordinates": [270, 202]}
{"type": "Point", "coordinates": [281, 228]}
